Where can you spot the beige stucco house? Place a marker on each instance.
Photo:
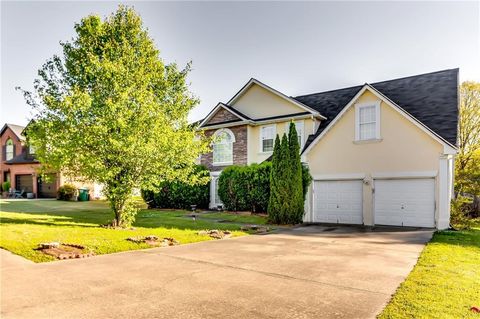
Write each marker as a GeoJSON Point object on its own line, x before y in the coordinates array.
{"type": "Point", "coordinates": [379, 154]}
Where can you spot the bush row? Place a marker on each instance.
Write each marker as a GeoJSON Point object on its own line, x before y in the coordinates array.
{"type": "Point", "coordinates": [178, 195]}
{"type": "Point", "coordinates": [245, 187]}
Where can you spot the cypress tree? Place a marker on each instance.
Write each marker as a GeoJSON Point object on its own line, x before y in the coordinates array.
{"type": "Point", "coordinates": [296, 187]}
{"type": "Point", "coordinates": [274, 201]}
{"type": "Point", "coordinates": [284, 181]}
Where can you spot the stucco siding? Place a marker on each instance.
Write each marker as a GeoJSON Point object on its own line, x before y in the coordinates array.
{"type": "Point", "coordinates": [403, 146]}
{"type": "Point", "coordinates": [255, 154]}
{"type": "Point", "coordinates": [258, 102]}
{"type": "Point", "coordinates": [403, 149]}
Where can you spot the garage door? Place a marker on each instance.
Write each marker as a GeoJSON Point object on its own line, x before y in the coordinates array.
{"type": "Point", "coordinates": [405, 202]}
{"type": "Point", "coordinates": [338, 202]}
{"type": "Point", "coordinates": [25, 183]}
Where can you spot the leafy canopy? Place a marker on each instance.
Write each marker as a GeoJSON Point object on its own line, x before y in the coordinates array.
{"type": "Point", "coordinates": [111, 111]}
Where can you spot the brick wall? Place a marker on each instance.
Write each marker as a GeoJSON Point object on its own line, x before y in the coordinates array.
{"type": "Point", "coordinates": [239, 148]}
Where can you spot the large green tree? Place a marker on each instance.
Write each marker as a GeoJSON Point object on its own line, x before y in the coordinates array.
{"type": "Point", "coordinates": [110, 110]}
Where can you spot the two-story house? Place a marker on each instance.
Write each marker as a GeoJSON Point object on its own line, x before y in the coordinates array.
{"type": "Point", "coordinates": [379, 153]}
{"type": "Point", "coordinates": [19, 166]}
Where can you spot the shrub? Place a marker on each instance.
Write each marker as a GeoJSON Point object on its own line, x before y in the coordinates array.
{"type": "Point", "coordinates": [245, 187]}
{"type": "Point", "coordinates": [306, 180]}
{"type": "Point", "coordinates": [459, 213]}
{"type": "Point", "coordinates": [6, 186]}
{"type": "Point", "coordinates": [67, 192]}
{"type": "Point", "coordinates": [175, 194]}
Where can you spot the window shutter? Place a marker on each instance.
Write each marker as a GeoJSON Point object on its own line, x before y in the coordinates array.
{"type": "Point", "coordinates": [4, 152]}
{"type": "Point", "coordinates": [14, 150]}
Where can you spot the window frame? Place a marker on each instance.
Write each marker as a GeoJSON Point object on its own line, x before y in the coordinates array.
{"type": "Point", "coordinates": [360, 106]}
{"type": "Point", "coordinates": [232, 140]}
{"type": "Point", "coordinates": [302, 136]}
{"type": "Point", "coordinates": [261, 139]}
{"type": "Point", "coordinates": [12, 145]}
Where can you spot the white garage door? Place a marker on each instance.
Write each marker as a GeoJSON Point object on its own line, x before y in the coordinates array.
{"type": "Point", "coordinates": [338, 202]}
{"type": "Point", "coordinates": [405, 202]}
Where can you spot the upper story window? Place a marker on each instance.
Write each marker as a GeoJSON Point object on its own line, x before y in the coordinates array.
{"type": "Point", "coordinates": [31, 149]}
{"type": "Point", "coordinates": [267, 138]}
{"type": "Point", "coordinates": [223, 147]}
{"type": "Point", "coordinates": [367, 121]}
{"type": "Point", "coordinates": [9, 150]}
{"type": "Point", "coordinates": [299, 126]}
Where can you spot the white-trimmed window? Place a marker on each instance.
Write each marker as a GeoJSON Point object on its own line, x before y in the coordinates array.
{"type": "Point", "coordinates": [267, 138]}
{"type": "Point", "coordinates": [299, 125]}
{"type": "Point", "coordinates": [9, 152]}
{"type": "Point", "coordinates": [223, 147]}
{"type": "Point", "coordinates": [367, 121]}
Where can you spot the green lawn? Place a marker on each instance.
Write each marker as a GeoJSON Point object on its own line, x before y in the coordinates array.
{"type": "Point", "coordinates": [445, 283]}
{"type": "Point", "coordinates": [25, 224]}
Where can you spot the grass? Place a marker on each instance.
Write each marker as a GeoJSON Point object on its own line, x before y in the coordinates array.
{"type": "Point", "coordinates": [445, 283]}
{"type": "Point", "coordinates": [25, 224]}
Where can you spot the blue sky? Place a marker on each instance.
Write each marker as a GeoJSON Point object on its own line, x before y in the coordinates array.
{"type": "Point", "coordinates": [295, 47]}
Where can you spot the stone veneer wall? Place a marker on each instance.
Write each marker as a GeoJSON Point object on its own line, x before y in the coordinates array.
{"type": "Point", "coordinates": [222, 115]}
{"type": "Point", "coordinates": [239, 148]}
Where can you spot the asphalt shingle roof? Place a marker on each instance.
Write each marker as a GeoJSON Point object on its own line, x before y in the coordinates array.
{"type": "Point", "coordinates": [431, 98]}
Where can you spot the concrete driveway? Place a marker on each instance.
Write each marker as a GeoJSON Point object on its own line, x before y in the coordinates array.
{"type": "Point", "coordinates": [308, 272]}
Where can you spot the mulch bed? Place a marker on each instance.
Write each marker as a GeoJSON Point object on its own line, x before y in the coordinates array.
{"type": "Point", "coordinates": [64, 251]}
{"type": "Point", "coordinates": [154, 241]}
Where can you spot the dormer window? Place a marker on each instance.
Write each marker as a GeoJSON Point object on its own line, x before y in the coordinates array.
{"type": "Point", "coordinates": [9, 150]}
{"type": "Point", "coordinates": [367, 121]}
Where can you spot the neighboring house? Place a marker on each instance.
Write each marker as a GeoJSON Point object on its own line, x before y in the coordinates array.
{"type": "Point", "coordinates": [19, 166]}
{"type": "Point", "coordinates": [379, 154]}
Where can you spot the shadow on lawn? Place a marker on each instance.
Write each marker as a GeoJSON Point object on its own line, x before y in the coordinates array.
{"type": "Point", "coordinates": [463, 238]}
{"type": "Point", "coordinates": [144, 219]}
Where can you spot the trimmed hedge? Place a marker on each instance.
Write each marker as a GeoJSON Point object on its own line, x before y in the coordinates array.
{"type": "Point", "coordinates": [178, 195]}
{"type": "Point", "coordinates": [247, 188]}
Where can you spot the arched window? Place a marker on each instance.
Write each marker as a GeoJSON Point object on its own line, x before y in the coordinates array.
{"type": "Point", "coordinates": [223, 147]}
{"type": "Point", "coordinates": [9, 150]}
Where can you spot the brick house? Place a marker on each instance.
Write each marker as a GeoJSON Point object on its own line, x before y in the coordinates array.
{"type": "Point", "coordinates": [19, 166]}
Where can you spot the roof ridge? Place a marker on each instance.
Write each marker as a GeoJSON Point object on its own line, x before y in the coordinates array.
{"type": "Point", "coordinates": [396, 79]}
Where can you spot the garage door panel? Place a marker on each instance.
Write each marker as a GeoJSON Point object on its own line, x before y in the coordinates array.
{"type": "Point", "coordinates": [338, 202]}
{"type": "Point", "coordinates": [405, 202]}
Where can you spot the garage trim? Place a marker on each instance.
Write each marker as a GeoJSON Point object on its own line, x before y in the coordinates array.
{"type": "Point", "coordinates": [410, 175]}
{"type": "Point", "coordinates": [336, 177]}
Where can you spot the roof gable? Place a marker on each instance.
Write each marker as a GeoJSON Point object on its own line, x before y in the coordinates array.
{"type": "Point", "coordinates": [258, 100]}
{"type": "Point", "coordinates": [431, 99]}
{"type": "Point", "coordinates": [16, 129]}
{"type": "Point", "coordinates": [223, 113]}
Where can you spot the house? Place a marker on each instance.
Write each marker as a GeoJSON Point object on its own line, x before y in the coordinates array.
{"type": "Point", "coordinates": [19, 166]}
{"type": "Point", "coordinates": [379, 153]}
